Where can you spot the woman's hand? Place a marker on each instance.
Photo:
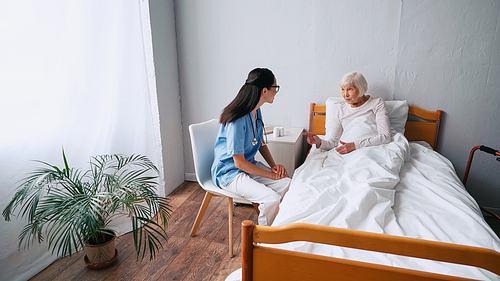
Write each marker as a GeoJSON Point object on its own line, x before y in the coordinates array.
{"type": "Point", "coordinates": [279, 172]}
{"type": "Point", "coordinates": [346, 147]}
{"type": "Point", "coordinates": [312, 138]}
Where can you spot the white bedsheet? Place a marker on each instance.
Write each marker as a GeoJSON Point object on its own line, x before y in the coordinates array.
{"type": "Point", "coordinates": [401, 188]}
{"type": "Point", "coordinates": [354, 190]}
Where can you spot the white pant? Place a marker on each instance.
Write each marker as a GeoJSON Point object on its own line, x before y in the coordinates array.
{"type": "Point", "coordinates": [266, 192]}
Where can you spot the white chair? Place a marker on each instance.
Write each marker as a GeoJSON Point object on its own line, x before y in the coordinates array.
{"type": "Point", "coordinates": [203, 137]}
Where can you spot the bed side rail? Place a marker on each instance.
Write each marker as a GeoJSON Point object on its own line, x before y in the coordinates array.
{"type": "Point", "coordinates": [264, 263]}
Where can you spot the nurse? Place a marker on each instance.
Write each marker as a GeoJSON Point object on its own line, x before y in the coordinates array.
{"type": "Point", "coordinates": [240, 137]}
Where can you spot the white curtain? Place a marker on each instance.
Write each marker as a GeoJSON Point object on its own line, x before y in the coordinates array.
{"type": "Point", "coordinates": [76, 74]}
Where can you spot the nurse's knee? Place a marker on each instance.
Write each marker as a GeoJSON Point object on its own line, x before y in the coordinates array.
{"type": "Point", "coordinates": [272, 196]}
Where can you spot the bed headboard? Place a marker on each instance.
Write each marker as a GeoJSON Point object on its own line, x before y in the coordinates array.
{"type": "Point", "coordinates": [422, 125]}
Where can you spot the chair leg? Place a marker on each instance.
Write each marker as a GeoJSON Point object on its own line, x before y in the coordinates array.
{"type": "Point", "coordinates": [201, 212]}
{"type": "Point", "coordinates": [230, 201]}
{"type": "Point", "coordinates": [256, 208]}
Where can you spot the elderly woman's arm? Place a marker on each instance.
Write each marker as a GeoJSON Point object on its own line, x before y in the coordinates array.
{"type": "Point", "coordinates": [333, 141]}
{"type": "Point", "coordinates": [326, 144]}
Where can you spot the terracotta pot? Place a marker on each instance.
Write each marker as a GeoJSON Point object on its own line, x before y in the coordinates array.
{"type": "Point", "coordinates": [99, 256]}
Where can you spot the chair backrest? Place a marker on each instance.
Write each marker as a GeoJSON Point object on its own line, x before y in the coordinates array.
{"type": "Point", "coordinates": [203, 136]}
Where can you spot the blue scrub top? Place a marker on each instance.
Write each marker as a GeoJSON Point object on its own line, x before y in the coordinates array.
{"type": "Point", "coordinates": [236, 138]}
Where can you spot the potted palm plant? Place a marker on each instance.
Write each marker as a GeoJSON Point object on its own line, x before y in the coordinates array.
{"type": "Point", "coordinates": [73, 208]}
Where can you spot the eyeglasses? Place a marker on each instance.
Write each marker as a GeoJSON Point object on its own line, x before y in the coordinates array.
{"type": "Point", "coordinates": [277, 88]}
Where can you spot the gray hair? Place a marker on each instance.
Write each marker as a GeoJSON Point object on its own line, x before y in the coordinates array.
{"type": "Point", "coordinates": [356, 79]}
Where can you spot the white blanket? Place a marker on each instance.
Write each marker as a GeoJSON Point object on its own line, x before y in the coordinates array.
{"type": "Point", "coordinates": [399, 189]}
{"type": "Point", "coordinates": [353, 191]}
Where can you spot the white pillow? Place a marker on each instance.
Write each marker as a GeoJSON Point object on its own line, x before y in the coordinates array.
{"type": "Point", "coordinates": [396, 110]}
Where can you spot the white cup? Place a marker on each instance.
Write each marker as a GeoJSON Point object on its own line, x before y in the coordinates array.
{"type": "Point", "coordinates": [276, 132]}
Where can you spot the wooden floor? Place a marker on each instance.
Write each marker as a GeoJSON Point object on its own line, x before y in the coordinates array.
{"type": "Point", "coordinates": [203, 257]}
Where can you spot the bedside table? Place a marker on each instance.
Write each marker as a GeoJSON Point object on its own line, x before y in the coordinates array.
{"type": "Point", "coordinates": [289, 150]}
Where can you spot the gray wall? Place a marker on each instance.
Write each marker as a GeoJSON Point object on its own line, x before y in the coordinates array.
{"type": "Point", "coordinates": [449, 59]}
{"type": "Point", "coordinates": [440, 54]}
{"type": "Point", "coordinates": [167, 85]}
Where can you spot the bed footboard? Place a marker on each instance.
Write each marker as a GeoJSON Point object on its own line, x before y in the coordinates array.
{"type": "Point", "coordinates": [265, 263]}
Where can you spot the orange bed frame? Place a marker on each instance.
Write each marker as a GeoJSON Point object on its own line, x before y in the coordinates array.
{"type": "Point", "coordinates": [265, 263]}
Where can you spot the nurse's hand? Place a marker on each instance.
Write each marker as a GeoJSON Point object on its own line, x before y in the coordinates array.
{"type": "Point", "coordinates": [279, 172]}
{"type": "Point", "coordinates": [312, 138]}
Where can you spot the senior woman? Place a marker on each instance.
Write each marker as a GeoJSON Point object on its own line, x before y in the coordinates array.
{"type": "Point", "coordinates": [353, 88]}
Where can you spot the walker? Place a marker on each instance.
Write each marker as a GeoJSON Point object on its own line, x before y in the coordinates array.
{"type": "Point", "coordinates": [487, 150]}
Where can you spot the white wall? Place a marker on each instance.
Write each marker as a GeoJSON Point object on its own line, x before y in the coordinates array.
{"type": "Point", "coordinates": [436, 54]}
{"type": "Point", "coordinates": [449, 59]}
{"type": "Point", "coordinates": [167, 84]}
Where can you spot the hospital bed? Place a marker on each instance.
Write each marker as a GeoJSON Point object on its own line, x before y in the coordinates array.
{"type": "Point", "coordinates": [391, 212]}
